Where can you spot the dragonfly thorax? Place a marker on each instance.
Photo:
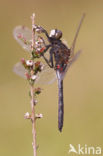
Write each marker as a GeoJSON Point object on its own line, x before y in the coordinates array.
{"type": "Point", "coordinates": [61, 55]}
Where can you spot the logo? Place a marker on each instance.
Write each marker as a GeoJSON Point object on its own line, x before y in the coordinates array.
{"type": "Point", "coordinates": [84, 149]}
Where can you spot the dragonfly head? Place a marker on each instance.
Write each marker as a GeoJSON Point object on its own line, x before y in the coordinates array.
{"type": "Point", "coordinates": [55, 34]}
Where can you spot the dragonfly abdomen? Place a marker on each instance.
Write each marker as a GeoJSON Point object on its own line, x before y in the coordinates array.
{"type": "Point", "coordinates": [60, 105]}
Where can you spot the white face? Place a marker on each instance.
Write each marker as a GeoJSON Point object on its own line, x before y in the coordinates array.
{"type": "Point", "coordinates": [52, 33]}
{"type": "Point", "coordinates": [57, 34]}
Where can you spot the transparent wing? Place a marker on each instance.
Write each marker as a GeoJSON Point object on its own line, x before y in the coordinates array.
{"type": "Point", "coordinates": [73, 57]}
{"type": "Point", "coordinates": [76, 35]}
{"type": "Point", "coordinates": [23, 36]}
{"type": "Point", "coordinates": [65, 42]}
{"type": "Point", "coordinates": [47, 76]}
{"type": "Point", "coordinates": [19, 70]}
{"type": "Point", "coordinates": [71, 62]}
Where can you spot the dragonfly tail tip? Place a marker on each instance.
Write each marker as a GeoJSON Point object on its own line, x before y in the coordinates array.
{"type": "Point", "coordinates": [60, 128]}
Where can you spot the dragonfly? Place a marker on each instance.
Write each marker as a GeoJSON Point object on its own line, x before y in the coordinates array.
{"type": "Point", "coordinates": [57, 58]}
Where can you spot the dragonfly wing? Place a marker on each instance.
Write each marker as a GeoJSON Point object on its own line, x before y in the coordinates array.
{"type": "Point", "coordinates": [23, 36]}
{"type": "Point", "coordinates": [76, 35]}
{"type": "Point", "coordinates": [65, 42]}
{"type": "Point", "coordinates": [47, 76]}
{"type": "Point", "coordinates": [70, 63]}
{"type": "Point", "coordinates": [19, 70]}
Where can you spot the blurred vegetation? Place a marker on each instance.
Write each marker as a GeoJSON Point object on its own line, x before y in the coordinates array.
{"type": "Point", "coordinates": [83, 85]}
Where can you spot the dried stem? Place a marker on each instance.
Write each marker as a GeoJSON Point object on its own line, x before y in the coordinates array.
{"type": "Point", "coordinates": [32, 99]}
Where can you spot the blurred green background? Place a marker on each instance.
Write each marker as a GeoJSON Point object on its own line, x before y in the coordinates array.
{"type": "Point", "coordinates": [83, 85]}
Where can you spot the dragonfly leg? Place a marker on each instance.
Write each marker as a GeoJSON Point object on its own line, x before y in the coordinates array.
{"type": "Point", "coordinates": [50, 61]}
{"type": "Point", "coordinates": [42, 30]}
{"type": "Point", "coordinates": [47, 61]}
{"type": "Point", "coordinates": [47, 47]}
{"type": "Point", "coordinates": [46, 33]}
{"type": "Point", "coordinates": [51, 58]}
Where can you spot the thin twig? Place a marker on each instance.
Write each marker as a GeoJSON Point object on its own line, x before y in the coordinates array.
{"type": "Point", "coordinates": [32, 98]}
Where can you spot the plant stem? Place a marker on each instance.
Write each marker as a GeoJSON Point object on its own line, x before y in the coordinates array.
{"type": "Point", "coordinates": [33, 32]}
{"type": "Point", "coordinates": [33, 120]}
{"type": "Point", "coordinates": [32, 99]}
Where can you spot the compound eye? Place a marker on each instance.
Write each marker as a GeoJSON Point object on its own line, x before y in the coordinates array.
{"type": "Point", "coordinates": [58, 34]}
{"type": "Point", "coordinates": [52, 33]}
